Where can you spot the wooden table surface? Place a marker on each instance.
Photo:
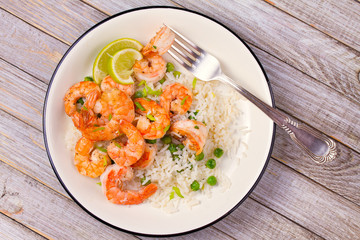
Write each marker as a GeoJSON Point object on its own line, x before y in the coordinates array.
{"type": "Point", "coordinates": [310, 50]}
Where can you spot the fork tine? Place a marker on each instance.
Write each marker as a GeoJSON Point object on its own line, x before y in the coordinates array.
{"type": "Point", "coordinates": [193, 45]}
{"type": "Point", "coordinates": [183, 55]}
{"type": "Point", "coordinates": [179, 60]}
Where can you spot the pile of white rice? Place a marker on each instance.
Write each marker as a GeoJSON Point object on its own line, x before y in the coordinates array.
{"type": "Point", "coordinates": [219, 108]}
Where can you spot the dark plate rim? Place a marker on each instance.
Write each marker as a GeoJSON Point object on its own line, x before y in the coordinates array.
{"type": "Point", "coordinates": [88, 211]}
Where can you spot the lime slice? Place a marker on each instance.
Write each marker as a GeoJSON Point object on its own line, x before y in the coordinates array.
{"type": "Point", "coordinates": [120, 65]}
{"type": "Point", "coordinates": [100, 67]}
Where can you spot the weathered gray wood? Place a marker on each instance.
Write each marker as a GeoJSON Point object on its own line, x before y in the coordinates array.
{"type": "Point", "coordinates": [21, 94]}
{"type": "Point", "coordinates": [340, 175]}
{"type": "Point", "coordinates": [11, 230]}
{"type": "Point", "coordinates": [49, 213]}
{"type": "Point", "coordinates": [307, 203]}
{"type": "Point", "coordinates": [294, 42]}
{"type": "Point", "coordinates": [67, 19]}
{"type": "Point", "coordinates": [111, 7]}
{"type": "Point", "coordinates": [268, 225]}
{"type": "Point", "coordinates": [29, 48]}
{"type": "Point", "coordinates": [317, 105]}
{"type": "Point", "coordinates": [339, 19]}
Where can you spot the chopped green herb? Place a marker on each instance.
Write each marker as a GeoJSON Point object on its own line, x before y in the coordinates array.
{"type": "Point", "coordinates": [196, 112]}
{"type": "Point", "coordinates": [110, 117]}
{"type": "Point", "coordinates": [139, 106]}
{"type": "Point", "coordinates": [151, 141]}
{"type": "Point", "coordinates": [195, 185]}
{"type": "Point", "coordinates": [153, 92]}
{"type": "Point", "coordinates": [142, 83]}
{"type": "Point", "coordinates": [98, 129]}
{"type": "Point", "coordinates": [211, 180]}
{"type": "Point", "coordinates": [172, 147]}
{"type": "Point", "coordinates": [194, 83]}
{"type": "Point", "coordinates": [176, 74]}
{"type": "Point", "coordinates": [144, 92]}
{"type": "Point", "coordinates": [105, 163]}
{"type": "Point", "coordinates": [192, 118]}
{"type": "Point", "coordinates": [150, 117]}
{"type": "Point", "coordinates": [167, 128]}
{"type": "Point", "coordinates": [144, 182]}
{"type": "Point", "coordinates": [166, 139]}
{"type": "Point", "coordinates": [81, 101]}
{"type": "Point", "coordinates": [211, 163]}
{"type": "Point", "coordinates": [96, 125]}
{"type": "Point", "coordinates": [196, 127]}
{"type": "Point", "coordinates": [218, 152]}
{"type": "Point", "coordinates": [184, 99]}
{"type": "Point", "coordinates": [88, 79]}
{"type": "Point", "coordinates": [101, 149]}
{"type": "Point", "coordinates": [199, 157]}
{"type": "Point", "coordinates": [177, 191]}
{"type": "Point", "coordinates": [170, 67]}
{"type": "Point", "coordinates": [117, 144]}
{"type": "Point", "coordinates": [85, 108]}
{"type": "Point", "coordinates": [99, 183]}
{"type": "Point", "coordinates": [180, 171]}
{"type": "Point", "coordinates": [181, 146]}
{"type": "Point", "coordinates": [154, 46]}
{"type": "Point", "coordinates": [162, 81]}
{"type": "Point", "coordinates": [175, 157]}
{"type": "Point", "coordinates": [138, 94]}
{"type": "Point", "coordinates": [171, 195]}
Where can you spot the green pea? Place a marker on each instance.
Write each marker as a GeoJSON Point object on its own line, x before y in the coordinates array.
{"type": "Point", "coordinates": [172, 147]}
{"type": "Point", "coordinates": [170, 67]}
{"type": "Point", "coordinates": [199, 157]}
{"type": "Point", "coordinates": [211, 180]}
{"type": "Point", "coordinates": [218, 152]}
{"type": "Point", "coordinates": [138, 94]}
{"type": "Point", "coordinates": [211, 163]}
{"type": "Point", "coordinates": [166, 139]}
{"type": "Point", "coordinates": [195, 185]}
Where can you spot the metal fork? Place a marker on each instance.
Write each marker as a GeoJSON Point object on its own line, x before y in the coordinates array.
{"type": "Point", "coordinates": [206, 67]}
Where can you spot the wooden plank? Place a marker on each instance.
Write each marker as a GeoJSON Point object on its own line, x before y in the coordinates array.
{"type": "Point", "coordinates": [21, 94]}
{"type": "Point", "coordinates": [51, 214]}
{"type": "Point", "coordinates": [29, 48]}
{"type": "Point", "coordinates": [307, 203]}
{"type": "Point", "coordinates": [340, 175]}
{"type": "Point", "coordinates": [294, 42]}
{"type": "Point", "coordinates": [254, 221]}
{"type": "Point", "coordinates": [27, 150]}
{"type": "Point", "coordinates": [339, 19]}
{"type": "Point", "coordinates": [67, 19]}
{"type": "Point", "coordinates": [318, 105]}
{"type": "Point", "coordinates": [11, 230]}
{"type": "Point", "coordinates": [112, 7]}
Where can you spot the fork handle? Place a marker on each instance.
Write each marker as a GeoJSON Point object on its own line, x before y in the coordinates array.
{"type": "Point", "coordinates": [320, 147]}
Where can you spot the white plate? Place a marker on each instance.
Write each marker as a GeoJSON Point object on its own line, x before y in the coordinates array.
{"type": "Point", "coordinates": [237, 62]}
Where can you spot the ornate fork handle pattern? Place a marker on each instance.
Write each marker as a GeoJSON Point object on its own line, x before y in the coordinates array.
{"type": "Point", "coordinates": [319, 147]}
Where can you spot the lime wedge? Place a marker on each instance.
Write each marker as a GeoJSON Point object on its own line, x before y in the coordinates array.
{"type": "Point", "coordinates": [100, 67]}
{"type": "Point", "coordinates": [120, 65]}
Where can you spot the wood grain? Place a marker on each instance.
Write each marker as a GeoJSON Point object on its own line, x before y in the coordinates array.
{"type": "Point", "coordinates": [294, 42]}
{"type": "Point", "coordinates": [66, 18]}
{"type": "Point", "coordinates": [338, 19]}
{"type": "Point", "coordinates": [307, 203]}
{"type": "Point", "coordinates": [35, 205]}
{"type": "Point", "coordinates": [340, 175]}
{"type": "Point", "coordinates": [29, 48]}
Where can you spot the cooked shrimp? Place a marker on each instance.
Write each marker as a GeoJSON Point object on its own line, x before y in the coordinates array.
{"type": "Point", "coordinates": [113, 181]}
{"type": "Point", "coordinates": [90, 91]}
{"type": "Point", "coordinates": [130, 152]}
{"type": "Point", "coordinates": [151, 68]}
{"type": "Point", "coordinates": [88, 160]}
{"type": "Point", "coordinates": [147, 158]}
{"type": "Point", "coordinates": [113, 106]}
{"type": "Point", "coordinates": [195, 133]}
{"type": "Point", "coordinates": [107, 83]}
{"type": "Point", "coordinates": [161, 42]}
{"type": "Point", "coordinates": [154, 122]}
{"type": "Point", "coordinates": [176, 99]}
